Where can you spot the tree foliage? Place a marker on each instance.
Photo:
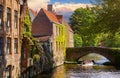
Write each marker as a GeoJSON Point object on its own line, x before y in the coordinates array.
{"type": "Point", "coordinates": [108, 16]}
{"type": "Point", "coordinates": [34, 47]}
{"type": "Point", "coordinates": [110, 40]}
{"type": "Point", "coordinates": [82, 23]}
{"type": "Point", "coordinates": [77, 40]}
{"type": "Point", "coordinates": [99, 24]}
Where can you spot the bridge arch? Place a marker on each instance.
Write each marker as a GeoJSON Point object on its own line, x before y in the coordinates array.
{"type": "Point", "coordinates": [98, 58]}
{"type": "Point", "coordinates": [73, 54]}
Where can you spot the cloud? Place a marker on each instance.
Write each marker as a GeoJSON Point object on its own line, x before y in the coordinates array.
{"type": "Point", "coordinates": [69, 6]}
{"type": "Point", "coordinates": [67, 9]}
{"type": "Point", "coordinates": [35, 4]}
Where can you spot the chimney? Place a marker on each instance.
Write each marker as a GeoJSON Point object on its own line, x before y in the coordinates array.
{"type": "Point", "coordinates": [24, 0]}
{"type": "Point", "coordinates": [49, 7]}
{"type": "Point", "coordinates": [60, 18]}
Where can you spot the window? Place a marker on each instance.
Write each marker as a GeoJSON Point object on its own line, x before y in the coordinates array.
{"type": "Point", "coordinates": [1, 14]}
{"type": "Point", "coordinates": [8, 17]}
{"type": "Point", "coordinates": [8, 48]}
{"type": "Point", "coordinates": [8, 74]}
{"type": "Point", "coordinates": [1, 45]}
{"type": "Point", "coordinates": [15, 19]}
{"type": "Point", "coordinates": [15, 45]}
{"type": "Point", "coordinates": [56, 46]}
{"type": "Point", "coordinates": [57, 31]}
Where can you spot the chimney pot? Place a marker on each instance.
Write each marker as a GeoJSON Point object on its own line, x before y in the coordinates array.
{"type": "Point", "coordinates": [49, 7]}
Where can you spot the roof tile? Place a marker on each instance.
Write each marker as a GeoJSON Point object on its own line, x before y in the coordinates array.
{"type": "Point", "coordinates": [52, 17]}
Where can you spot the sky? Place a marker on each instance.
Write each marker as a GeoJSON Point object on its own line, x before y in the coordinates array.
{"type": "Point", "coordinates": [70, 1]}
{"type": "Point", "coordinates": [64, 7]}
{"type": "Point", "coordinates": [35, 4]}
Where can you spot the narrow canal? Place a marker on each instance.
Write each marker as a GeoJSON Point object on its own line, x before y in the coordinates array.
{"type": "Point", "coordinates": [77, 71]}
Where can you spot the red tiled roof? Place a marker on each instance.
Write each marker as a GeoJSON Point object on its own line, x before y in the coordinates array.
{"type": "Point", "coordinates": [42, 24]}
{"type": "Point", "coordinates": [52, 17]}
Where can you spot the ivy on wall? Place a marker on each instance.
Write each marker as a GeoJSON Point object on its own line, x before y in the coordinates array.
{"type": "Point", "coordinates": [34, 48]}
{"type": "Point", "coordinates": [60, 38]}
{"type": "Point", "coordinates": [27, 25]}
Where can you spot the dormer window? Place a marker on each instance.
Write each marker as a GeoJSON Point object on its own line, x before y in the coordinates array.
{"type": "Point", "coordinates": [8, 17]}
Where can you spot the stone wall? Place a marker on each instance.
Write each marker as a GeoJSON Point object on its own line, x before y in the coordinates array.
{"type": "Point", "coordinates": [70, 40]}
{"type": "Point", "coordinates": [58, 44]}
{"type": "Point", "coordinates": [10, 61]}
{"type": "Point", "coordinates": [113, 55]}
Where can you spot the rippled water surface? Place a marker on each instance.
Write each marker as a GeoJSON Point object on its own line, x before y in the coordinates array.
{"type": "Point", "coordinates": [77, 71]}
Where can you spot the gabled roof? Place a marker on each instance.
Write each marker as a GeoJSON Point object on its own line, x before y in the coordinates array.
{"type": "Point", "coordinates": [51, 16]}
{"type": "Point", "coordinates": [62, 21]}
{"type": "Point", "coordinates": [33, 12]}
{"type": "Point", "coordinates": [42, 24]}
{"type": "Point", "coordinates": [57, 19]}
{"type": "Point", "coordinates": [67, 26]}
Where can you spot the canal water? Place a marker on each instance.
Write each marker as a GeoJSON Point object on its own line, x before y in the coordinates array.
{"type": "Point", "coordinates": [77, 71]}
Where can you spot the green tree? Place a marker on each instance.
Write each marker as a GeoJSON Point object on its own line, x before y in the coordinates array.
{"type": "Point", "coordinates": [108, 16]}
{"type": "Point", "coordinates": [82, 23]}
{"type": "Point", "coordinates": [77, 40]}
{"type": "Point", "coordinates": [108, 40]}
{"type": "Point", "coordinates": [111, 40]}
{"type": "Point", "coordinates": [108, 22]}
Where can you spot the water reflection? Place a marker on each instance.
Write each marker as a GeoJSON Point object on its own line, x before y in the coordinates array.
{"type": "Point", "coordinates": [59, 72]}
{"type": "Point", "coordinates": [99, 59]}
{"type": "Point", "coordinates": [77, 71]}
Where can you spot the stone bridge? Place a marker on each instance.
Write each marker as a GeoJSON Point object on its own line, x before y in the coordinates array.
{"type": "Point", "coordinates": [113, 55]}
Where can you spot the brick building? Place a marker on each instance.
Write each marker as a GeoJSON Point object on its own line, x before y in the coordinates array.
{"type": "Point", "coordinates": [69, 35]}
{"type": "Point", "coordinates": [9, 39]}
{"type": "Point", "coordinates": [51, 31]}
{"type": "Point", "coordinates": [26, 39]}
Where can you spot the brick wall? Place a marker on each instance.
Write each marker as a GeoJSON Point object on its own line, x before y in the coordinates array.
{"type": "Point", "coordinates": [12, 59]}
